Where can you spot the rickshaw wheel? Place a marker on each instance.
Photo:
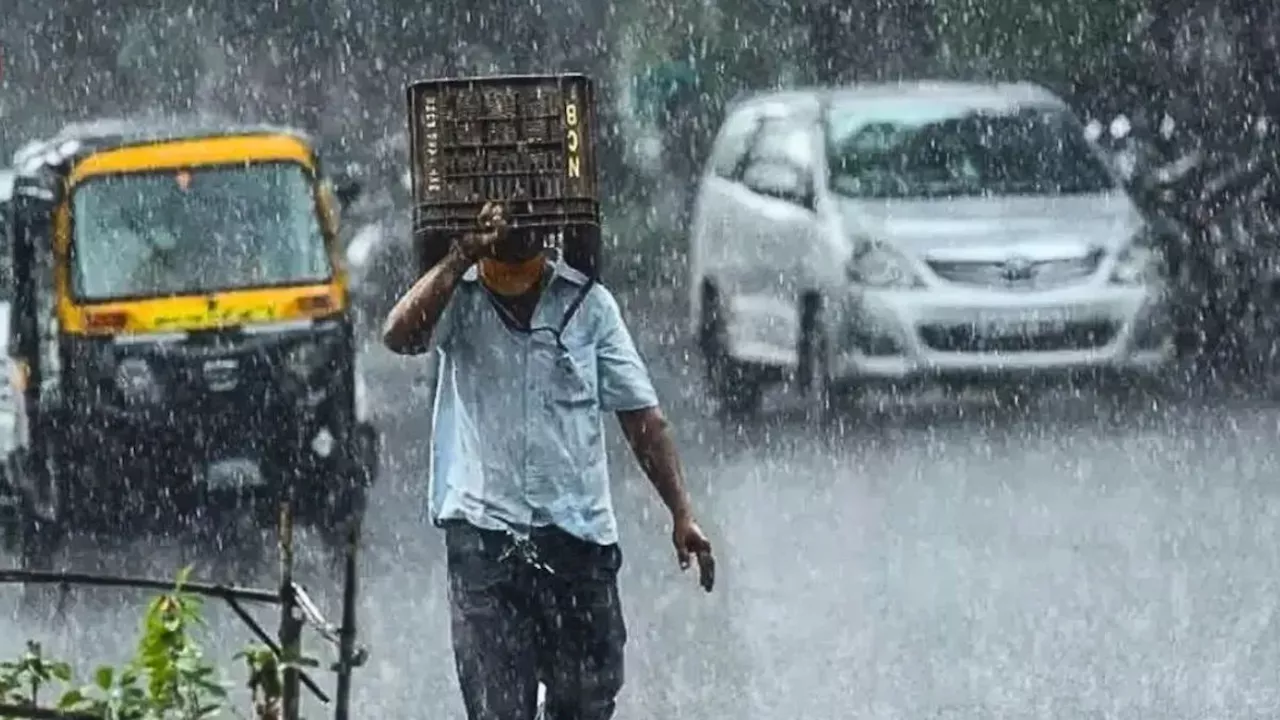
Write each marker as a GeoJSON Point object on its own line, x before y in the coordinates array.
{"type": "Point", "coordinates": [38, 542]}
{"type": "Point", "coordinates": [335, 523]}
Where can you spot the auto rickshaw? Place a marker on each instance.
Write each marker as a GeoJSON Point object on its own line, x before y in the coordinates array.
{"type": "Point", "coordinates": [181, 344]}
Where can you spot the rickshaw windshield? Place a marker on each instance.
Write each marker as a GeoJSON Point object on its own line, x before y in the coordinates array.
{"type": "Point", "coordinates": [193, 232]}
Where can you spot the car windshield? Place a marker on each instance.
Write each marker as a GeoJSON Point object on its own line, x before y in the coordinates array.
{"type": "Point", "coordinates": [920, 150]}
{"type": "Point", "coordinates": [191, 232]}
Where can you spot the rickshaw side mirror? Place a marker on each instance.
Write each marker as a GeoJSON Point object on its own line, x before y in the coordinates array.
{"type": "Point", "coordinates": [347, 190]}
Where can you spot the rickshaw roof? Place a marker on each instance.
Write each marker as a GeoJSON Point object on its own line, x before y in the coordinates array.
{"type": "Point", "coordinates": [81, 139]}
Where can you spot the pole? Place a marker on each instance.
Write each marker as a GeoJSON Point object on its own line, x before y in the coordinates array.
{"type": "Point", "coordinates": [347, 630]}
{"type": "Point", "coordinates": [290, 619]}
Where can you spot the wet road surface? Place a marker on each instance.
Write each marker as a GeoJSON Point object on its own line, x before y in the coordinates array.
{"type": "Point", "coordinates": [929, 561]}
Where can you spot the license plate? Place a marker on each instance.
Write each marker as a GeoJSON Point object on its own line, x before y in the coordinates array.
{"type": "Point", "coordinates": [233, 474]}
{"type": "Point", "coordinates": [1022, 324]}
{"type": "Point", "coordinates": [222, 375]}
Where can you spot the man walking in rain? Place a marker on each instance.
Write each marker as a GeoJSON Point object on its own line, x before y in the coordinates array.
{"type": "Point", "coordinates": [531, 352]}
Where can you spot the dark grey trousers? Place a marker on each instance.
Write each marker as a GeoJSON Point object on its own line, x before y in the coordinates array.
{"type": "Point", "coordinates": [515, 624]}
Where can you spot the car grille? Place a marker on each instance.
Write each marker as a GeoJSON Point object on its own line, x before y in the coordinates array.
{"type": "Point", "coordinates": [968, 339]}
{"type": "Point", "coordinates": [1042, 275]}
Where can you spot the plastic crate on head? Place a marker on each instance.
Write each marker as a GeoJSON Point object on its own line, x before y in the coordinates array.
{"type": "Point", "coordinates": [527, 141]}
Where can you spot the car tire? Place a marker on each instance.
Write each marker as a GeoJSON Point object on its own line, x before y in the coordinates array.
{"type": "Point", "coordinates": [736, 387]}
{"type": "Point", "coordinates": [827, 400]}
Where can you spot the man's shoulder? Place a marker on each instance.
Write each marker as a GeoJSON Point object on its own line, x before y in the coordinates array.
{"type": "Point", "coordinates": [570, 274]}
{"type": "Point", "coordinates": [597, 296]}
{"type": "Point", "coordinates": [593, 299]}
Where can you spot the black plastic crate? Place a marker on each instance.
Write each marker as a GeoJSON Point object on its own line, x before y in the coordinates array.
{"type": "Point", "coordinates": [525, 140]}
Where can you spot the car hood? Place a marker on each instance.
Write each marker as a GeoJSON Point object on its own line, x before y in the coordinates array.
{"type": "Point", "coordinates": [993, 228]}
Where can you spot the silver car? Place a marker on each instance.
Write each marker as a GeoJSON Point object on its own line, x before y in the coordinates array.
{"type": "Point", "coordinates": [923, 231]}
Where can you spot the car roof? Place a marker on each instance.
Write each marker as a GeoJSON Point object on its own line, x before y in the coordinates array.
{"type": "Point", "coordinates": [804, 101]}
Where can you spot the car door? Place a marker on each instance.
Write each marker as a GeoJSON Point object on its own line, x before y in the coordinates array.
{"type": "Point", "coordinates": [713, 235]}
{"type": "Point", "coordinates": [776, 218]}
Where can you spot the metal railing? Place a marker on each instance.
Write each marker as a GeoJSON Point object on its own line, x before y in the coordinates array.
{"type": "Point", "coordinates": [296, 611]}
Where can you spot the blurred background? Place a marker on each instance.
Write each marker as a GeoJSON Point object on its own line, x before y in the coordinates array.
{"type": "Point", "coordinates": [666, 68]}
{"type": "Point", "coordinates": [1063, 560]}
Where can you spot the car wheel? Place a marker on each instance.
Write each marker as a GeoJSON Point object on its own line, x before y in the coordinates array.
{"type": "Point", "coordinates": [828, 400]}
{"type": "Point", "coordinates": [736, 387]}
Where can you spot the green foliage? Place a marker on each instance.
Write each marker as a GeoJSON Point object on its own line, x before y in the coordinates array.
{"type": "Point", "coordinates": [1058, 41]}
{"type": "Point", "coordinates": [168, 678]}
{"type": "Point", "coordinates": [21, 680]}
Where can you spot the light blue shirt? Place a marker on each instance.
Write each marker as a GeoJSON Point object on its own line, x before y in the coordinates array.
{"type": "Point", "coordinates": [519, 435]}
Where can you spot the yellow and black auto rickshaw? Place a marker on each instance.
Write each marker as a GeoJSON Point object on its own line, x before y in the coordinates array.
{"type": "Point", "coordinates": [180, 340]}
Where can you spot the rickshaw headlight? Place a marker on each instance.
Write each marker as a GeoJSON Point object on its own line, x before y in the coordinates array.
{"type": "Point", "coordinates": [305, 361]}
{"type": "Point", "coordinates": [137, 382]}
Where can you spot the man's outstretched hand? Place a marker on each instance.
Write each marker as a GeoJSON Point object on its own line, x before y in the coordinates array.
{"type": "Point", "coordinates": [691, 543]}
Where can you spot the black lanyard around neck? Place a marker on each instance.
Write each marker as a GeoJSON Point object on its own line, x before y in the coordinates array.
{"type": "Point", "coordinates": [514, 325]}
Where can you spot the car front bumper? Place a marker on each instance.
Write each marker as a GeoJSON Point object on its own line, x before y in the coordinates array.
{"type": "Point", "coordinates": [905, 334]}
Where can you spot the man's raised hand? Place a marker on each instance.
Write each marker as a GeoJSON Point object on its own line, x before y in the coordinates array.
{"type": "Point", "coordinates": [491, 227]}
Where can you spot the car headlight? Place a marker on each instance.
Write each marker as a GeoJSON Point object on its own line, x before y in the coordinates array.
{"type": "Point", "coordinates": [305, 361]}
{"type": "Point", "coordinates": [137, 382]}
{"type": "Point", "coordinates": [1137, 265]}
{"type": "Point", "coordinates": [881, 267]}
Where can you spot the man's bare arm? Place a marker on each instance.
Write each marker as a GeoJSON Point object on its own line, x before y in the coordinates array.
{"type": "Point", "coordinates": [649, 435]}
{"type": "Point", "coordinates": [411, 322]}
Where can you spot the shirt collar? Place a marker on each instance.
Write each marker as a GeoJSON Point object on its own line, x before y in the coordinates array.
{"type": "Point", "coordinates": [559, 269]}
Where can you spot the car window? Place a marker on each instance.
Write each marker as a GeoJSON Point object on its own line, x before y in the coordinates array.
{"type": "Point", "coordinates": [732, 144]}
{"type": "Point", "coordinates": [783, 142]}
{"type": "Point", "coordinates": [919, 150]}
{"type": "Point", "coordinates": [780, 162]}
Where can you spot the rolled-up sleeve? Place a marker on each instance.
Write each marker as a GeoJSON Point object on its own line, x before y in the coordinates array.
{"type": "Point", "coordinates": [447, 326]}
{"type": "Point", "coordinates": [624, 381]}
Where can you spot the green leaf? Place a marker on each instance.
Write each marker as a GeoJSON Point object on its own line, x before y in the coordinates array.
{"type": "Point", "coordinates": [60, 671]}
{"type": "Point", "coordinates": [104, 677]}
{"type": "Point", "coordinates": [71, 699]}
